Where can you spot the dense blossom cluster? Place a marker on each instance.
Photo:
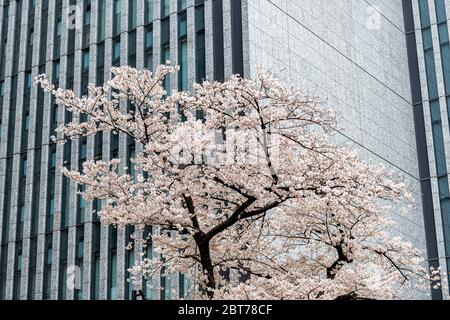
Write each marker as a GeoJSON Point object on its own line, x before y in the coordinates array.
{"type": "Point", "coordinates": [306, 220]}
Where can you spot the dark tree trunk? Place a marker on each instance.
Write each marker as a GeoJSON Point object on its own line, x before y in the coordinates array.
{"type": "Point", "coordinates": [206, 262]}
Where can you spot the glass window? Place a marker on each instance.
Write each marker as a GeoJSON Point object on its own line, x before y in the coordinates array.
{"type": "Point", "coordinates": [132, 12]}
{"type": "Point", "coordinates": [56, 70]}
{"type": "Point", "coordinates": [55, 116]}
{"type": "Point", "coordinates": [424, 13]}
{"type": "Point", "coordinates": [48, 266]}
{"type": "Point", "coordinates": [165, 32]}
{"type": "Point", "coordinates": [443, 34]}
{"type": "Point", "coordinates": [113, 277]}
{"type": "Point", "coordinates": [31, 38]}
{"type": "Point", "coordinates": [431, 75]}
{"type": "Point", "coordinates": [24, 167]}
{"type": "Point", "coordinates": [182, 25]}
{"type": "Point", "coordinates": [28, 80]}
{"type": "Point", "coordinates": [132, 48]}
{"type": "Point", "coordinates": [166, 57]}
{"type": "Point", "coordinates": [96, 275]}
{"type": "Point", "coordinates": [49, 256]}
{"type": "Point", "coordinates": [445, 52]}
{"type": "Point", "coordinates": [58, 27]}
{"type": "Point", "coordinates": [165, 8]}
{"type": "Point", "coordinates": [199, 18]}
{"type": "Point", "coordinates": [116, 51]}
{"type": "Point", "coordinates": [200, 58]}
{"type": "Point", "coordinates": [182, 5]}
{"type": "Point", "coordinates": [81, 209]}
{"type": "Point", "coordinates": [53, 157]}
{"type": "Point", "coordinates": [148, 47]}
{"type": "Point", "coordinates": [100, 64]}
{"type": "Point", "coordinates": [200, 69]}
{"type": "Point", "coordinates": [65, 202]}
{"type": "Point", "coordinates": [27, 121]}
{"type": "Point", "coordinates": [117, 17]}
{"type": "Point", "coordinates": [438, 138]}
{"type": "Point", "coordinates": [51, 208]}
{"type": "Point", "coordinates": [22, 213]}
{"type": "Point", "coordinates": [444, 192]}
{"type": "Point", "coordinates": [101, 20]}
{"type": "Point", "coordinates": [80, 247]}
{"type": "Point", "coordinates": [19, 262]}
{"type": "Point", "coordinates": [87, 14]}
{"type": "Point", "coordinates": [85, 60]}
{"type": "Point", "coordinates": [70, 71]}
{"type": "Point", "coordinates": [83, 153]}
{"type": "Point", "coordinates": [183, 77]}
{"type": "Point", "coordinates": [148, 11]}
{"type": "Point", "coordinates": [440, 11]}
{"type": "Point", "coordinates": [131, 155]}
{"type": "Point", "coordinates": [427, 39]}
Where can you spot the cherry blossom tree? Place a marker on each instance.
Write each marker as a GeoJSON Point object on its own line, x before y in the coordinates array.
{"type": "Point", "coordinates": [243, 177]}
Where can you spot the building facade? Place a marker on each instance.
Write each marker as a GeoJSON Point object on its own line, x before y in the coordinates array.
{"type": "Point", "coordinates": [430, 79]}
{"type": "Point", "coordinates": [369, 58]}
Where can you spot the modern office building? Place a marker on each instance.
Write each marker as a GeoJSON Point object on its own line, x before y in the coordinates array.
{"type": "Point", "coordinates": [380, 63]}
{"type": "Point", "coordinates": [429, 56]}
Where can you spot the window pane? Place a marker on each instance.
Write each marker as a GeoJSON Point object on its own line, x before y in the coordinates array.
{"type": "Point", "coordinates": [183, 78]}
{"type": "Point", "coordinates": [148, 11]}
{"type": "Point", "coordinates": [424, 13]}
{"type": "Point", "coordinates": [148, 37]}
{"type": "Point", "coordinates": [182, 4]}
{"type": "Point", "coordinates": [165, 9]}
{"type": "Point", "coordinates": [440, 11]}
{"type": "Point", "coordinates": [132, 14]}
{"type": "Point", "coordinates": [117, 17]}
{"type": "Point", "coordinates": [182, 25]}
{"type": "Point", "coordinates": [101, 20]}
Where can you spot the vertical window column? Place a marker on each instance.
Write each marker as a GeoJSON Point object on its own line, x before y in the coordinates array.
{"type": "Point", "coordinates": [116, 33]}
{"type": "Point", "coordinates": [182, 46]}
{"type": "Point", "coordinates": [436, 119]}
{"type": "Point", "coordinates": [148, 35]}
{"type": "Point", "coordinates": [200, 68]}
{"type": "Point", "coordinates": [444, 192]}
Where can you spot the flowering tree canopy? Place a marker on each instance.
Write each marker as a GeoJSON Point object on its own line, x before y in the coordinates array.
{"type": "Point", "coordinates": [242, 176]}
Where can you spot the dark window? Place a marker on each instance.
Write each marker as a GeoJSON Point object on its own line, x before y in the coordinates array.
{"type": "Point", "coordinates": [148, 47]}
{"type": "Point", "coordinates": [117, 17]}
{"type": "Point", "coordinates": [116, 52]}
{"type": "Point", "coordinates": [100, 64]}
{"type": "Point", "coordinates": [148, 11]}
{"type": "Point", "coordinates": [132, 49]}
{"type": "Point", "coordinates": [200, 71]}
{"type": "Point", "coordinates": [132, 13]}
{"type": "Point", "coordinates": [101, 20]}
{"type": "Point", "coordinates": [435, 108]}
{"type": "Point", "coordinates": [165, 8]}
